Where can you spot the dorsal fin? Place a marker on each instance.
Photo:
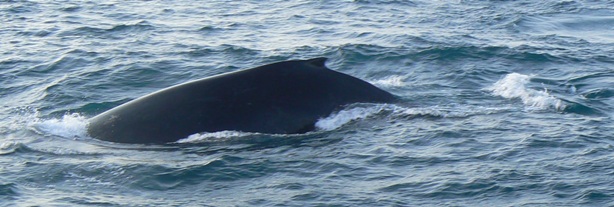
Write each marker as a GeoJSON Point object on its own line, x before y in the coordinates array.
{"type": "Point", "coordinates": [317, 62]}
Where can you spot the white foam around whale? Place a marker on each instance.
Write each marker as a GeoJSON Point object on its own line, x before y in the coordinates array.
{"type": "Point", "coordinates": [343, 117]}
{"type": "Point", "coordinates": [213, 136]}
{"type": "Point", "coordinates": [69, 126]}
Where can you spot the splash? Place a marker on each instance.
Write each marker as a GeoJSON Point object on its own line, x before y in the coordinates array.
{"type": "Point", "coordinates": [69, 126]}
{"type": "Point", "coordinates": [343, 117]}
{"type": "Point", "coordinates": [513, 85]}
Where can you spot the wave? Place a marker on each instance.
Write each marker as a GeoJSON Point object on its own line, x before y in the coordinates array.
{"type": "Point", "coordinates": [343, 117]}
{"type": "Point", "coordinates": [197, 51]}
{"type": "Point", "coordinates": [514, 86]}
{"type": "Point", "coordinates": [599, 93]}
{"type": "Point", "coordinates": [393, 111]}
{"type": "Point", "coordinates": [398, 58]}
{"type": "Point", "coordinates": [11, 147]}
{"type": "Point", "coordinates": [8, 191]}
{"type": "Point", "coordinates": [209, 169]}
{"type": "Point", "coordinates": [386, 2]}
{"type": "Point", "coordinates": [590, 25]}
{"type": "Point", "coordinates": [120, 29]}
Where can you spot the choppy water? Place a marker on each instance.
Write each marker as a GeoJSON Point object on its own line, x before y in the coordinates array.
{"type": "Point", "coordinates": [505, 103]}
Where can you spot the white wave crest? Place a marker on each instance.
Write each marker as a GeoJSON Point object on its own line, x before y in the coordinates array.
{"type": "Point", "coordinates": [345, 116]}
{"type": "Point", "coordinates": [69, 126]}
{"type": "Point", "coordinates": [513, 85]}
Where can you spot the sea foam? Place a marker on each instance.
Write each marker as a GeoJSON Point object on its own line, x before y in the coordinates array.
{"type": "Point", "coordinates": [391, 81]}
{"type": "Point", "coordinates": [214, 136]}
{"type": "Point", "coordinates": [345, 116]}
{"type": "Point", "coordinates": [69, 126]}
{"type": "Point", "coordinates": [513, 86]}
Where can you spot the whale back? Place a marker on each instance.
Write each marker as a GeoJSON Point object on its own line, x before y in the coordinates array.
{"type": "Point", "coordinates": [280, 98]}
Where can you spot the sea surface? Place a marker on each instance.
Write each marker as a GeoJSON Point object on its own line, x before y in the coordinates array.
{"type": "Point", "coordinates": [503, 103]}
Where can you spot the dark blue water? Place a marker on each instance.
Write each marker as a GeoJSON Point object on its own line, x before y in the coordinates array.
{"type": "Point", "coordinates": [505, 103]}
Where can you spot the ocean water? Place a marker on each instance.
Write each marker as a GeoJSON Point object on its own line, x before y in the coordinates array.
{"type": "Point", "coordinates": [504, 103]}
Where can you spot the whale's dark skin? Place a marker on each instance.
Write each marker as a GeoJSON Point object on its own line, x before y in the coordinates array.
{"type": "Point", "coordinates": [280, 98]}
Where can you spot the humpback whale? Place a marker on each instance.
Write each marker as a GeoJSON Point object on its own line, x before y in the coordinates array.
{"type": "Point", "coordinates": [280, 98]}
